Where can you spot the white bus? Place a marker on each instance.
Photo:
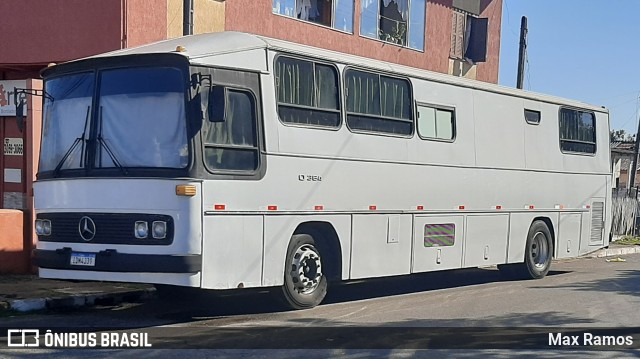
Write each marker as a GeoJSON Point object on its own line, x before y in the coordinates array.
{"type": "Point", "coordinates": [231, 160]}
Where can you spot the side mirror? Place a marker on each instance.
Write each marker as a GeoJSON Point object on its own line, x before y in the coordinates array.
{"type": "Point", "coordinates": [20, 114]}
{"type": "Point", "coordinates": [216, 105]}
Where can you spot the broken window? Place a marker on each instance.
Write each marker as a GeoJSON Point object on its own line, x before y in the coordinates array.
{"type": "Point", "coordinates": [337, 14]}
{"type": "Point", "coordinates": [468, 37]}
{"type": "Point", "coordinates": [401, 22]}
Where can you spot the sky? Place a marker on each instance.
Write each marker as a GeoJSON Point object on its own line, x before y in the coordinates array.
{"type": "Point", "coordinates": [585, 50]}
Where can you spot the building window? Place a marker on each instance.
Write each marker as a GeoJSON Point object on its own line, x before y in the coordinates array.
{"type": "Point", "coordinates": [577, 131]}
{"type": "Point", "coordinates": [307, 92]}
{"type": "Point", "coordinates": [468, 37]}
{"type": "Point", "coordinates": [401, 22]}
{"type": "Point", "coordinates": [458, 30]}
{"type": "Point", "coordinates": [337, 14]}
{"type": "Point", "coordinates": [532, 117]}
{"type": "Point", "coordinates": [377, 103]}
{"type": "Point", "coordinates": [436, 123]}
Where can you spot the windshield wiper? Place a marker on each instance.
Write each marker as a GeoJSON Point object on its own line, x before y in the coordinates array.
{"type": "Point", "coordinates": [75, 143]}
{"type": "Point", "coordinates": [103, 144]}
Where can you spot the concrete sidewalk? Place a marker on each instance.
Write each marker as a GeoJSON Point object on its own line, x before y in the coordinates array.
{"type": "Point", "coordinates": [26, 293]}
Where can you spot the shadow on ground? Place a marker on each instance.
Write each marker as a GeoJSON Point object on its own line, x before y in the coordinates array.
{"type": "Point", "coordinates": [189, 304]}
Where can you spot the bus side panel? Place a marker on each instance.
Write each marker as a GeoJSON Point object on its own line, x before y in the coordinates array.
{"type": "Point", "coordinates": [277, 235]}
{"type": "Point", "coordinates": [593, 223]}
{"type": "Point", "coordinates": [381, 245]}
{"type": "Point", "coordinates": [570, 226]}
{"type": "Point", "coordinates": [438, 243]}
{"type": "Point", "coordinates": [232, 251]}
{"type": "Point", "coordinates": [485, 240]}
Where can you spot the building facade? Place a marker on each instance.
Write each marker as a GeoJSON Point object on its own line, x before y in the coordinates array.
{"type": "Point", "coordinates": [458, 37]}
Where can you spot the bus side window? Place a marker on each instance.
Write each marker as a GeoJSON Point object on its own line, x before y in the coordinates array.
{"type": "Point", "coordinates": [307, 93]}
{"type": "Point", "coordinates": [378, 104]}
{"type": "Point", "coordinates": [436, 123]}
{"type": "Point", "coordinates": [232, 144]}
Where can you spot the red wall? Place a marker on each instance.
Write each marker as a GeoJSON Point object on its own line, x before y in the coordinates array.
{"type": "Point", "coordinates": [488, 71]}
{"type": "Point", "coordinates": [36, 32]}
{"type": "Point", "coordinates": [39, 32]}
{"type": "Point", "coordinates": [437, 42]}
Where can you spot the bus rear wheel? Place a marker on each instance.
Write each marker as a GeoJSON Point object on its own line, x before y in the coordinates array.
{"type": "Point", "coordinates": [305, 283]}
{"type": "Point", "coordinates": [537, 256]}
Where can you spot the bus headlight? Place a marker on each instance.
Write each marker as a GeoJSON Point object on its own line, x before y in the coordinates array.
{"type": "Point", "coordinates": [141, 229]}
{"type": "Point", "coordinates": [159, 229]}
{"type": "Point", "coordinates": [47, 227]}
{"type": "Point", "coordinates": [43, 227]}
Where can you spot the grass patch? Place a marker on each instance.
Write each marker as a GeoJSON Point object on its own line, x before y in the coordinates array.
{"type": "Point", "coordinates": [628, 240]}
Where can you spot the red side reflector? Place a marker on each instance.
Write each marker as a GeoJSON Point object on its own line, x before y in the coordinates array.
{"type": "Point", "coordinates": [318, 208]}
{"type": "Point", "coordinates": [531, 207]}
{"type": "Point", "coordinates": [372, 208]}
{"type": "Point", "coordinates": [588, 206]}
{"type": "Point", "coordinates": [460, 207]}
{"type": "Point", "coordinates": [498, 207]}
{"type": "Point", "coordinates": [219, 207]}
{"type": "Point", "coordinates": [420, 208]}
{"type": "Point", "coordinates": [272, 208]}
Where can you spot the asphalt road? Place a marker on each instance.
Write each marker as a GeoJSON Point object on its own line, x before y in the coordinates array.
{"type": "Point", "coordinates": [578, 294]}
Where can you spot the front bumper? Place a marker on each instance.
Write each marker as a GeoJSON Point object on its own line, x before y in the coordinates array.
{"type": "Point", "coordinates": [112, 261]}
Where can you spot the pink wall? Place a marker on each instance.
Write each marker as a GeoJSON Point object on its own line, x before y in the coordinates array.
{"type": "Point", "coordinates": [488, 71]}
{"type": "Point", "coordinates": [146, 22]}
{"type": "Point", "coordinates": [437, 42]}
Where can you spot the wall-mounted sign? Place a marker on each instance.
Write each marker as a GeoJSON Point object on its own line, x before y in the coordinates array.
{"type": "Point", "coordinates": [13, 147]}
{"type": "Point", "coordinates": [7, 107]}
{"type": "Point", "coordinates": [13, 175]}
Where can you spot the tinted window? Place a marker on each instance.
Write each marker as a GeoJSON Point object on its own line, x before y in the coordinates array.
{"type": "Point", "coordinates": [233, 143]}
{"type": "Point", "coordinates": [532, 117]}
{"type": "Point", "coordinates": [577, 131]}
{"type": "Point", "coordinates": [377, 103]}
{"type": "Point", "coordinates": [307, 92]}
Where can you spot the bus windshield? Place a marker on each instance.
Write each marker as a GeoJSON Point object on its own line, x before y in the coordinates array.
{"type": "Point", "coordinates": [137, 120]}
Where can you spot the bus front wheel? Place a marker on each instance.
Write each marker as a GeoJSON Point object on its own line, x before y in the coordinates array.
{"type": "Point", "coordinates": [305, 283]}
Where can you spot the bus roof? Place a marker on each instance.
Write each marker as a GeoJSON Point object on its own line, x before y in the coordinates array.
{"type": "Point", "coordinates": [211, 44]}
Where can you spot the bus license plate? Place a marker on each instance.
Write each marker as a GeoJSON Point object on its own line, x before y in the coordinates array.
{"type": "Point", "coordinates": [83, 259]}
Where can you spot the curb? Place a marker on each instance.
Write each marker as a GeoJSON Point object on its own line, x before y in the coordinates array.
{"type": "Point", "coordinates": [76, 301]}
{"type": "Point", "coordinates": [610, 252]}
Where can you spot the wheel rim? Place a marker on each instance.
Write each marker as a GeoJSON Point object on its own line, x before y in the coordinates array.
{"type": "Point", "coordinates": [306, 271]}
{"type": "Point", "coordinates": [539, 250]}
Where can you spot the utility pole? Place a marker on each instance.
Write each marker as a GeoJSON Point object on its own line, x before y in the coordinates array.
{"type": "Point", "coordinates": [522, 54]}
{"type": "Point", "coordinates": [634, 165]}
{"type": "Point", "coordinates": [187, 17]}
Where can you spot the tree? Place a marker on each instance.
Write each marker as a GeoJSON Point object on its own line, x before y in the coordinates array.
{"type": "Point", "coordinates": [621, 136]}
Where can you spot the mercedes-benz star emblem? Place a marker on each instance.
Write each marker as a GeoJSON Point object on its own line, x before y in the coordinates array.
{"type": "Point", "coordinates": [87, 228]}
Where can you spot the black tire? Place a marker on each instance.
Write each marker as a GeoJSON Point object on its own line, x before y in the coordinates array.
{"type": "Point", "coordinates": [537, 255]}
{"type": "Point", "coordinates": [305, 284]}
